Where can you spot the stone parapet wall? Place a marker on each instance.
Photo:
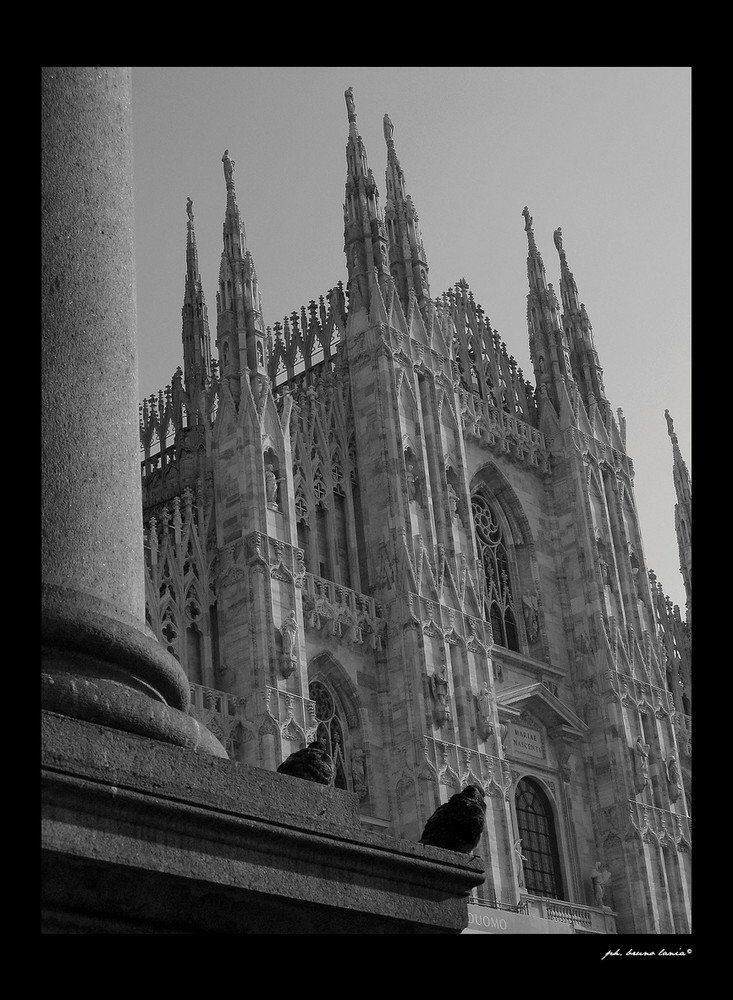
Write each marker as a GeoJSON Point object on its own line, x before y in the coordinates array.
{"type": "Point", "coordinates": [140, 837]}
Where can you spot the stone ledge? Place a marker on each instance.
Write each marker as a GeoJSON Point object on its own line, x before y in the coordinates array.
{"type": "Point", "coordinates": [143, 837]}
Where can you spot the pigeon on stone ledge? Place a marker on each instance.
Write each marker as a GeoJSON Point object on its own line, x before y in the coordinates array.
{"type": "Point", "coordinates": [457, 825]}
{"type": "Point", "coordinates": [312, 764]}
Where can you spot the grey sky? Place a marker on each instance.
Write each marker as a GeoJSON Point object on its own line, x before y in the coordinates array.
{"type": "Point", "coordinates": [602, 152]}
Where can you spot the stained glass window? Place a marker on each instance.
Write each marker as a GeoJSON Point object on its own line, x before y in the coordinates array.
{"type": "Point", "coordinates": [541, 863]}
{"type": "Point", "coordinates": [330, 728]}
{"type": "Point", "coordinates": [498, 600]}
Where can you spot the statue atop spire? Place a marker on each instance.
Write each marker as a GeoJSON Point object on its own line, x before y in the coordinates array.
{"type": "Point", "coordinates": [228, 168]}
{"type": "Point", "coordinates": [569, 289]}
{"type": "Point", "coordinates": [584, 365]}
{"type": "Point", "coordinates": [388, 129]}
{"type": "Point", "coordinates": [192, 264]}
{"type": "Point", "coordinates": [670, 427]}
{"type": "Point", "coordinates": [350, 106]}
{"type": "Point", "coordinates": [567, 281]}
{"type": "Point", "coordinates": [528, 230]}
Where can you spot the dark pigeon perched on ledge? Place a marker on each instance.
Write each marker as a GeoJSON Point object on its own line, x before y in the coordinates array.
{"type": "Point", "coordinates": [312, 764]}
{"type": "Point", "coordinates": [457, 825]}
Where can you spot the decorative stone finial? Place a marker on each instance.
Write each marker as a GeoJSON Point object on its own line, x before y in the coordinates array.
{"type": "Point", "coordinates": [189, 209]}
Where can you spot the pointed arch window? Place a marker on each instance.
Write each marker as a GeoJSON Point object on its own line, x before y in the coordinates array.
{"type": "Point", "coordinates": [330, 728]}
{"type": "Point", "coordinates": [536, 826]}
{"type": "Point", "coordinates": [498, 598]}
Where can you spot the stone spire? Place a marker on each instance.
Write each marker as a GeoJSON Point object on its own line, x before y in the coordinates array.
{"type": "Point", "coordinates": [365, 235]}
{"type": "Point", "coordinates": [547, 344]}
{"type": "Point", "coordinates": [682, 512]}
{"type": "Point", "coordinates": [579, 334]}
{"type": "Point", "coordinates": [535, 266]}
{"type": "Point", "coordinates": [408, 263]}
{"type": "Point", "coordinates": [241, 337]}
{"type": "Point", "coordinates": [195, 332]}
{"type": "Point", "coordinates": [235, 240]}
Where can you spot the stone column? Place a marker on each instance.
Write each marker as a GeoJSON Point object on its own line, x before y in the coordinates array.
{"type": "Point", "coordinates": [100, 661]}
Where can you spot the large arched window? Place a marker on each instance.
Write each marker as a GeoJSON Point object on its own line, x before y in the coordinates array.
{"type": "Point", "coordinates": [536, 825]}
{"type": "Point", "coordinates": [498, 599]}
{"type": "Point", "coordinates": [330, 728]}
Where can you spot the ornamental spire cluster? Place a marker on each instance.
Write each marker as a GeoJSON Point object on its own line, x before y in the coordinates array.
{"type": "Point", "coordinates": [547, 343]}
{"type": "Point", "coordinates": [365, 236]}
{"type": "Point", "coordinates": [240, 334]}
{"type": "Point", "coordinates": [579, 334]}
{"type": "Point", "coordinates": [408, 263]}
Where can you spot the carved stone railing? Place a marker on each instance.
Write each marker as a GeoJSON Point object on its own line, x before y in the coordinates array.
{"type": "Point", "coordinates": [307, 340]}
{"type": "Point", "coordinates": [531, 911]}
{"type": "Point", "coordinates": [221, 713]}
{"type": "Point", "coordinates": [582, 918]}
{"type": "Point", "coordinates": [666, 828]}
{"type": "Point", "coordinates": [293, 715]}
{"type": "Point", "coordinates": [495, 904]}
{"type": "Point", "coordinates": [504, 432]}
{"type": "Point", "coordinates": [643, 696]}
{"type": "Point", "coordinates": [456, 766]}
{"type": "Point", "coordinates": [163, 414]}
{"type": "Point", "coordinates": [567, 912]}
{"type": "Point", "coordinates": [349, 616]}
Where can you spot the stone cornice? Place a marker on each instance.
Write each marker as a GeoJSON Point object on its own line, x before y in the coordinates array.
{"type": "Point", "coordinates": [224, 848]}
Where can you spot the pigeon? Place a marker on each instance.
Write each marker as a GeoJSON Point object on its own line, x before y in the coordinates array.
{"type": "Point", "coordinates": [457, 825]}
{"type": "Point", "coordinates": [312, 764]}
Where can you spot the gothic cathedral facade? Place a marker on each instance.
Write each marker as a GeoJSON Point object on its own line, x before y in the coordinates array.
{"type": "Point", "coordinates": [366, 524]}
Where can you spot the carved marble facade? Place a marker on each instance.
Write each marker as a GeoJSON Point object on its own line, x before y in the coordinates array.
{"type": "Point", "coordinates": [379, 531]}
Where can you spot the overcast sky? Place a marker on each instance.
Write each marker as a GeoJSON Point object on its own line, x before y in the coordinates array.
{"type": "Point", "coordinates": [602, 152]}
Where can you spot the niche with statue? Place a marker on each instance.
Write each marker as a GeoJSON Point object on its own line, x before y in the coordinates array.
{"type": "Point", "coordinates": [273, 478]}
